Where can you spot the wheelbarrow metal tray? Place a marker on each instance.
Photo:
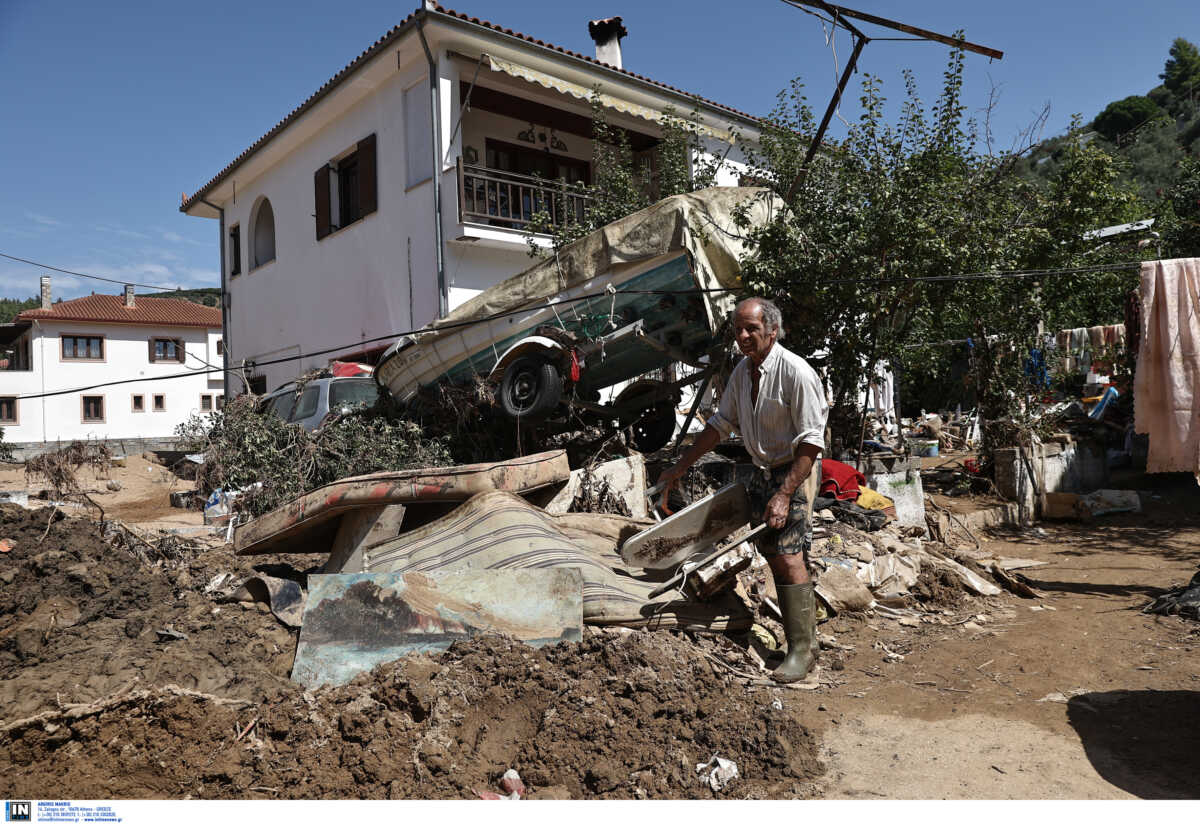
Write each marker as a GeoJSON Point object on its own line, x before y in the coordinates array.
{"type": "Point", "coordinates": [690, 531]}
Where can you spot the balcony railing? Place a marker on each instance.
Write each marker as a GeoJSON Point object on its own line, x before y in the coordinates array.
{"type": "Point", "coordinates": [497, 198]}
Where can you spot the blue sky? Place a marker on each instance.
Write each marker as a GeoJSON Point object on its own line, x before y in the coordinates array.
{"type": "Point", "coordinates": [111, 110]}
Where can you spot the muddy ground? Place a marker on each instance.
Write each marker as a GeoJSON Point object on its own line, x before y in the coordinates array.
{"type": "Point", "coordinates": [1073, 695]}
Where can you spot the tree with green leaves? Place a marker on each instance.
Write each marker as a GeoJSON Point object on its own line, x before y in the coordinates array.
{"type": "Point", "coordinates": [889, 207]}
{"type": "Point", "coordinates": [1181, 74]}
{"type": "Point", "coordinates": [1123, 116]}
{"type": "Point", "coordinates": [1179, 213]}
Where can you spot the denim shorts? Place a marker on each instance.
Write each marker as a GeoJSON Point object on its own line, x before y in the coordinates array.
{"type": "Point", "coordinates": [796, 535]}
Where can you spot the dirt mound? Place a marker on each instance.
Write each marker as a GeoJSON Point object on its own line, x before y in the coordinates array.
{"type": "Point", "coordinates": [80, 616]}
{"type": "Point", "coordinates": [97, 703]}
{"type": "Point", "coordinates": [939, 587]}
{"type": "Point", "coordinates": [612, 717]}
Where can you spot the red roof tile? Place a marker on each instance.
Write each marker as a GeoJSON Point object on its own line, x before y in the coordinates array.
{"type": "Point", "coordinates": [386, 40]}
{"type": "Point", "coordinates": [145, 311]}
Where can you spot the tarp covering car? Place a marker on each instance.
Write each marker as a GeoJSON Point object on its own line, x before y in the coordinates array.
{"type": "Point", "coordinates": [702, 223]}
{"type": "Point", "coordinates": [632, 297]}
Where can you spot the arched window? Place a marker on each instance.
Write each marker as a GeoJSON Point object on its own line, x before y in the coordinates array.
{"type": "Point", "coordinates": [263, 242]}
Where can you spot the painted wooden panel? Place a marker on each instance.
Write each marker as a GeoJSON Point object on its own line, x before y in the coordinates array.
{"type": "Point", "coordinates": [353, 622]}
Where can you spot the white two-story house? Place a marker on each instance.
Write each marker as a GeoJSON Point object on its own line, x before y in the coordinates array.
{"type": "Point", "coordinates": [404, 185]}
{"type": "Point", "coordinates": [108, 367]}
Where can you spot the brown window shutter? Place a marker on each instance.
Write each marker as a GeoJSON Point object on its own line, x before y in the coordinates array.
{"type": "Point", "coordinates": [321, 198]}
{"type": "Point", "coordinates": [151, 342]}
{"type": "Point", "coordinates": [368, 199]}
{"type": "Point", "coordinates": [180, 352]}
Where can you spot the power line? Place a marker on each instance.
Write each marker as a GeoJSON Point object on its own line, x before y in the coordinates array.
{"type": "Point", "coordinates": [93, 277]}
{"type": "Point", "coordinates": [1026, 273]}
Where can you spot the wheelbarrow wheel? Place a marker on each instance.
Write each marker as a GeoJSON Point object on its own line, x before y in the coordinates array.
{"type": "Point", "coordinates": [530, 388]}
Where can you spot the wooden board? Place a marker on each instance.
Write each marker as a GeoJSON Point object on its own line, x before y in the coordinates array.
{"type": "Point", "coordinates": [302, 525]}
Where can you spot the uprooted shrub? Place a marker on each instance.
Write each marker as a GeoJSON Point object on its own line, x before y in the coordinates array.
{"type": "Point", "coordinates": [271, 462]}
{"type": "Point", "coordinates": [59, 468]}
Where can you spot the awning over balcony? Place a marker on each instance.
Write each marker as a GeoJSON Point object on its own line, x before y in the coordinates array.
{"type": "Point", "coordinates": [558, 84]}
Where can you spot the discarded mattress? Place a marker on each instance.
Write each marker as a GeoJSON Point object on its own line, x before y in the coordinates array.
{"type": "Point", "coordinates": [303, 525]}
{"type": "Point", "coordinates": [499, 530]}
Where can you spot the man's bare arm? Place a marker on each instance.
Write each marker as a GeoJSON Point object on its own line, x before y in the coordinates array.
{"type": "Point", "coordinates": [703, 444]}
{"type": "Point", "coordinates": [802, 465]}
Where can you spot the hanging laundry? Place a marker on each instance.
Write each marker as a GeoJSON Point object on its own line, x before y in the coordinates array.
{"type": "Point", "coordinates": [1166, 394]}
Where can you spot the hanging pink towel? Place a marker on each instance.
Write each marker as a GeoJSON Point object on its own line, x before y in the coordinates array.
{"type": "Point", "coordinates": [1167, 385]}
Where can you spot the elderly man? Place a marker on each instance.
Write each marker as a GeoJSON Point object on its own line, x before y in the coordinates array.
{"type": "Point", "coordinates": [775, 400]}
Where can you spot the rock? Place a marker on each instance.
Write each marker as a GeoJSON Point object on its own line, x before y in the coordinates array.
{"type": "Point", "coordinates": [602, 778]}
{"type": "Point", "coordinates": [113, 486]}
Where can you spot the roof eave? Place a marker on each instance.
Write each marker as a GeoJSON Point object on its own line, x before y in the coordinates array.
{"type": "Point", "coordinates": [616, 75]}
{"type": "Point", "coordinates": [195, 206]}
{"type": "Point", "coordinates": [195, 203]}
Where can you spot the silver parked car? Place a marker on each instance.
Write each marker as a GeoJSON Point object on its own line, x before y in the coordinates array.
{"type": "Point", "coordinates": [321, 399]}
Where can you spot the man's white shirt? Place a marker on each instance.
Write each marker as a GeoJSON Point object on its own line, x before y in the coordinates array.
{"type": "Point", "coordinates": [791, 408]}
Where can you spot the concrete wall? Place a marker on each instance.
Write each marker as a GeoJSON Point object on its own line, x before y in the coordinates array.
{"type": "Point", "coordinates": [120, 447]}
{"type": "Point", "coordinates": [1078, 466]}
{"type": "Point", "coordinates": [353, 284]}
{"type": "Point", "coordinates": [126, 357]}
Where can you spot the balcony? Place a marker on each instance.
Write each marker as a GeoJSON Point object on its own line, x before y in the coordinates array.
{"type": "Point", "coordinates": [505, 199]}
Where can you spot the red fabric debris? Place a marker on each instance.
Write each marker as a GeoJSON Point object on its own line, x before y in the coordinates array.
{"type": "Point", "coordinates": [840, 480]}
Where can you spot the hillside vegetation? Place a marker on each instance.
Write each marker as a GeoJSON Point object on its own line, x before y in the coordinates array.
{"type": "Point", "coordinates": [1152, 134]}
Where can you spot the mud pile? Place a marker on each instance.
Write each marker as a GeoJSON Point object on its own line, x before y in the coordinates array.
{"type": "Point", "coordinates": [79, 620]}
{"type": "Point", "coordinates": [87, 708]}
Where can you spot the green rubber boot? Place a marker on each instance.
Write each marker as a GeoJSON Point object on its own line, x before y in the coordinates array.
{"type": "Point", "coordinates": [797, 602]}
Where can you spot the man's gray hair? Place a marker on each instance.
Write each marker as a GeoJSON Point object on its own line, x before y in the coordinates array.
{"type": "Point", "coordinates": [772, 317]}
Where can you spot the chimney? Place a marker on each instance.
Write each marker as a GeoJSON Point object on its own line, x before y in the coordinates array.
{"type": "Point", "coordinates": [608, 33]}
{"type": "Point", "coordinates": [45, 291]}
{"type": "Point", "coordinates": [128, 296]}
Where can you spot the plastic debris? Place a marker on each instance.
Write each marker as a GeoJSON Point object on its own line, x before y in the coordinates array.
{"type": "Point", "coordinates": [720, 771]}
{"type": "Point", "coordinates": [512, 784]}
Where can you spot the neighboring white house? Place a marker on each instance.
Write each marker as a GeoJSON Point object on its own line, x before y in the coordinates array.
{"type": "Point", "coordinates": [58, 350]}
{"type": "Point", "coordinates": [330, 234]}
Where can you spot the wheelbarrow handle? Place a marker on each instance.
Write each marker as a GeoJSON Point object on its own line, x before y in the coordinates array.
{"type": "Point", "coordinates": [650, 493]}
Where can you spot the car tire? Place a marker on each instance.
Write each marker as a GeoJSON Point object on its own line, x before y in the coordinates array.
{"type": "Point", "coordinates": [530, 388]}
{"type": "Point", "coordinates": [651, 429]}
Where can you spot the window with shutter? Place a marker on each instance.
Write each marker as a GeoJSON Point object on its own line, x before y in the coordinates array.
{"type": "Point", "coordinates": [322, 199]}
{"type": "Point", "coordinates": [235, 250]}
{"type": "Point", "coordinates": [368, 200]}
{"type": "Point", "coordinates": [345, 189]}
